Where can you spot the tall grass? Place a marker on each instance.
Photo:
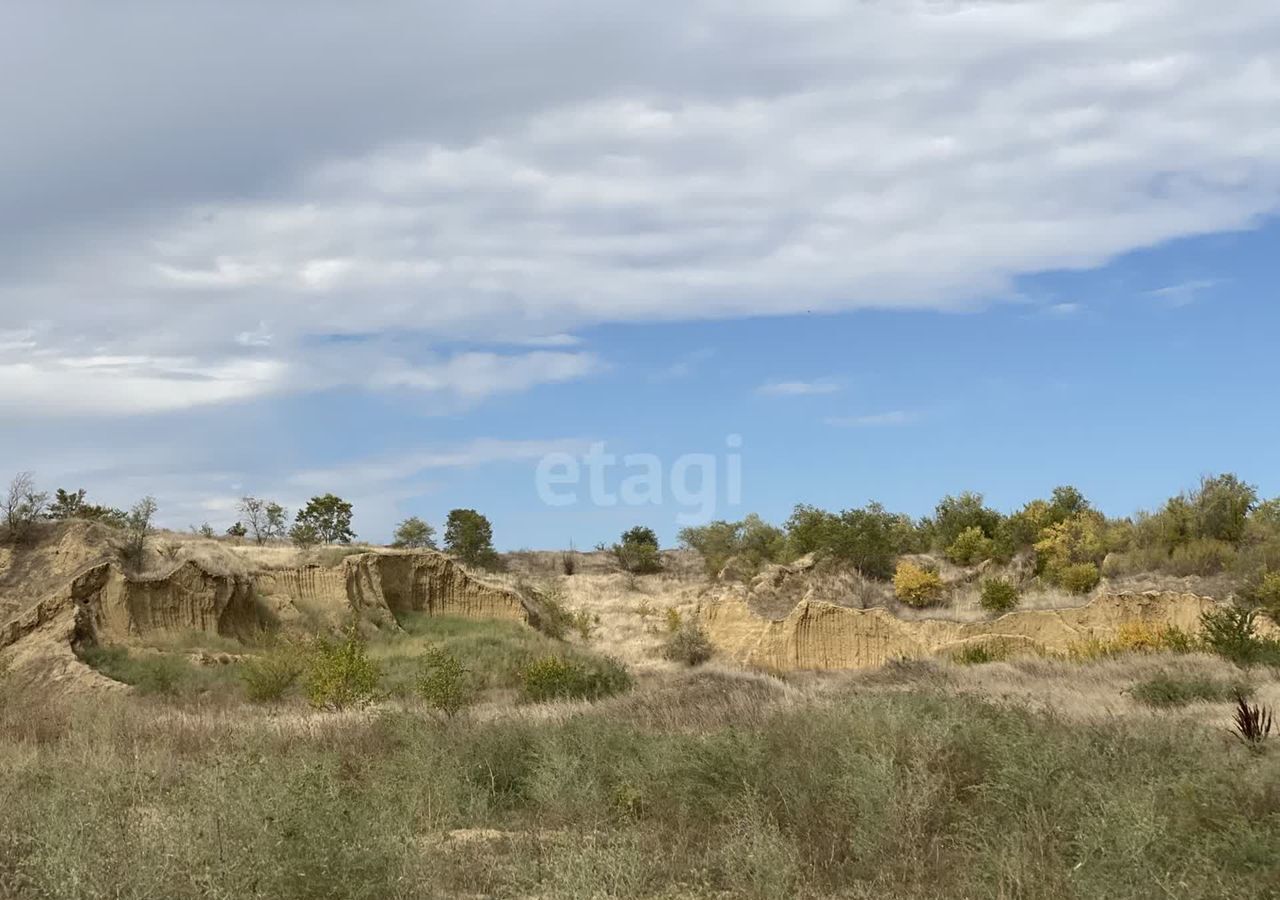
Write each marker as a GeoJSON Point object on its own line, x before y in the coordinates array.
{"type": "Point", "coordinates": [899, 795]}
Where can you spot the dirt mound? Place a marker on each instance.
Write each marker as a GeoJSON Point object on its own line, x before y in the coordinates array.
{"type": "Point", "coordinates": [817, 635]}
{"type": "Point", "coordinates": [65, 590]}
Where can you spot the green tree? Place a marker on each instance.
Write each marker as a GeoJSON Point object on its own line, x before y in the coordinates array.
{"type": "Point", "coordinates": [138, 529]}
{"type": "Point", "coordinates": [328, 518]}
{"type": "Point", "coordinates": [469, 536]}
{"type": "Point", "coordinates": [956, 515]}
{"type": "Point", "coordinates": [265, 519]}
{"type": "Point", "coordinates": [1221, 507]}
{"type": "Point", "coordinates": [414, 533]}
{"type": "Point", "coordinates": [638, 551]}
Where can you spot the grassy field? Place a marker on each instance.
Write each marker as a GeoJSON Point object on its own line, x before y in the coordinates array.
{"type": "Point", "coordinates": [704, 784]}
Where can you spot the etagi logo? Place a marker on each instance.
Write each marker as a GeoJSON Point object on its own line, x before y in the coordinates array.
{"type": "Point", "coordinates": [698, 482]}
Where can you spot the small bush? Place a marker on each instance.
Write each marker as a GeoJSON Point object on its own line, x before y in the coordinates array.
{"type": "Point", "coordinates": [688, 645]}
{"type": "Point", "coordinates": [554, 617]}
{"type": "Point", "coordinates": [268, 678]}
{"type": "Point", "coordinates": [917, 586]}
{"type": "Point", "coordinates": [558, 678]}
{"type": "Point", "coordinates": [1134, 637]}
{"type": "Point", "coordinates": [1078, 578]}
{"type": "Point", "coordinates": [999, 595]}
{"type": "Point", "coordinates": [673, 620]}
{"type": "Point", "coordinates": [1230, 633]}
{"type": "Point", "coordinates": [1263, 592]}
{"type": "Point", "coordinates": [1169, 690]}
{"type": "Point", "coordinates": [341, 675]}
{"type": "Point", "coordinates": [980, 654]}
{"type": "Point", "coordinates": [585, 624]}
{"type": "Point", "coordinates": [971, 547]}
{"type": "Point", "coordinates": [444, 683]}
{"type": "Point", "coordinates": [1203, 556]}
{"type": "Point", "coordinates": [161, 675]}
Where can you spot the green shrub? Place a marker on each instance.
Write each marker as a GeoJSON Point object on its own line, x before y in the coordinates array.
{"type": "Point", "coordinates": [999, 595]}
{"type": "Point", "coordinates": [1170, 690]}
{"type": "Point", "coordinates": [1263, 592]}
{"type": "Point", "coordinates": [340, 675]}
{"type": "Point", "coordinates": [1078, 578]}
{"type": "Point", "coordinates": [638, 552]}
{"type": "Point", "coordinates": [980, 654]}
{"type": "Point", "coordinates": [917, 586]}
{"type": "Point", "coordinates": [554, 619]}
{"type": "Point", "coordinates": [559, 678]}
{"type": "Point", "coordinates": [444, 683]}
{"type": "Point", "coordinates": [268, 678]}
{"type": "Point", "coordinates": [161, 675]}
{"type": "Point", "coordinates": [689, 645]}
{"type": "Point", "coordinates": [1201, 556]}
{"type": "Point", "coordinates": [1230, 632]}
{"type": "Point", "coordinates": [971, 547]}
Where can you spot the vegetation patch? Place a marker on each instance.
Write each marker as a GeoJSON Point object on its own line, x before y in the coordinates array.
{"type": "Point", "coordinates": [1168, 690]}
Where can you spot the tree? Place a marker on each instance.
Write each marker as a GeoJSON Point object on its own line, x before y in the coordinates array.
{"type": "Point", "coordinates": [23, 506]}
{"type": "Point", "coordinates": [638, 552]}
{"type": "Point", "coordinates": [237, 530]}
{"type": "Point", "coordinates": [328, 518]}
{"type": "Point", "coordinates": [956, 515]}
{"type": "Point", "coordinates": [413, 533]}
{"type": "Point", "coordinates": [1222, 506]}
{"type": "Point", "coordinates": [469, 536]}
{"type": "Point", "coordinates": [73, 505]}
{"type": "Point", "coordinates": [265, 519]}
{"type": "Point", "coordinates": [138, 529]}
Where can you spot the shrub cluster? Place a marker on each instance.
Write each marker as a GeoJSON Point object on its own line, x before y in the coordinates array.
{"type": "Point", "coordinates": [917, 586]}
{"type": "Point", "coordinates": [340, 674]}
{"type": "Point", "coordinates": [688, 644]}
{"type": "Point", "coordinates": [999, 595]}
{"type": "Point", "coordinates": [561, 678]}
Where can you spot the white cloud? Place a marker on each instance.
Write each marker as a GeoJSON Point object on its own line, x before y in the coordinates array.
{"type": "Point", "coordinates": [877, 420]}
{"type": "Point", "coordinates": [106, 385]}
{"type": "Point", "coordinates": [368, 473]}
{"type": "Point", "coordinates": [1063, 310]}
{"type": "Point", "coordinates": [666, 161]}
{"type": "Point", "coordinates": [798, 388]}
{"type": "Point", "coordinates": [1184, 293]}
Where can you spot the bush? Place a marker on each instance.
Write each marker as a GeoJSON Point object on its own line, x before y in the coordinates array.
{"type": "Point", "coordinates": [1134, 637]}
{"type": "Point", "coordinates": [341, 675]}
{"type": "Point", "coordinates": [999, 595]}
{"type": "Point", "coordinates": [917, 586]}
{"type": "Point", "coordinates": [1169, 690]}
{"type": "Point", "coordinates": [267, 678]}
{"type": "Point", "coordinates": [971, 547]}
{"type": "Point", "coordinates": [956, 515]}
{"type": "Point", "coordinates": [981, 654]}
{"type": "Point", "coordinates": [1230, 632]}
{"type": "Point", "coordinates": [752, 542]}
{"type": "Point", "coordinates": [1201, 556]}
{"type": "Point", "coordinates": [558, 678]}
{"type": "Point", "coordinates": [554, 618]}
{"type": "Point", "coordinates": [444, 683]}
{"type": "Point", "coordinates": [688, 645]}
{"type": "Point", "coordinates": [1263, 592]}
{"type": "Point", "coordinates": [638, 552]}
{"type": "Point", "coordinates": [869, 539]}
{"type": "Point", "coordinates": [1078, 578]}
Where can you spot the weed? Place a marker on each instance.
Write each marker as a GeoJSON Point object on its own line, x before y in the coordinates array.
{"type": "Point", "coordinates": [689, 645]}
{"type": "Point", "coordinates": [1252, 723]}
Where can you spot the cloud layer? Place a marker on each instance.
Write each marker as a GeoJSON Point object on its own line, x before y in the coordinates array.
{"type": "Point", "coordinates": [189, 199]}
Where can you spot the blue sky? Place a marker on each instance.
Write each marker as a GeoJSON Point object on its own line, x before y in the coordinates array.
{"type": "Point", "coordinates": [899, 249]}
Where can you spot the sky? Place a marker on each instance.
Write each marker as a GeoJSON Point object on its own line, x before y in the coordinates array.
{"type": "Point", "coordinates": [583, 266]}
